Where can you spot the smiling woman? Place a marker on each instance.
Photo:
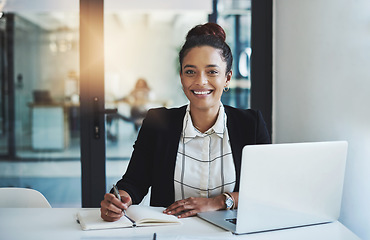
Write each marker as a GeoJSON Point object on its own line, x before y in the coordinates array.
{"type": "Point", "coordinates": [195, 162]}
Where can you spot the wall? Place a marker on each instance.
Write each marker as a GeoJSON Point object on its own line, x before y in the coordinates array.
{"type": "Point", "coordinates": [321, 88]}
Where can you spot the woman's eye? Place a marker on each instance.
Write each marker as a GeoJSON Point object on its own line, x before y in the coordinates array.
{"type": "Point", "coordinates": [189, 72]}
{"type": "Point", "coordinates": [213, 72]}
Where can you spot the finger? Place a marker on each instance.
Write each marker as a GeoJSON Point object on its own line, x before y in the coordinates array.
{"type": "Point", "coordinates": [178, 207]}
{"type": "Point", "coordinates": [174, 206]}
{"type": "Point", "coordinates": [111, 207]}
{"type": "Point", "coordinates": [182, 203]}
{"type": "Point", "coordinates": [109, 215]}
{"type": "Point", "coordinates": [111, 198]}
{"type": "Point", "coordinates": [112, 204]}
{"type": "Point", "coordinates": [106, 213]}
{"type": "Point", "coordinates": [126, 201]}
{"type": "Point", "coordinates": [188, 214]}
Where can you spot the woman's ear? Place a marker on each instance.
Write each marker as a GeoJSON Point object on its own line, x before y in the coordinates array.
{"type": "Point", "coordinates": [228, 77]}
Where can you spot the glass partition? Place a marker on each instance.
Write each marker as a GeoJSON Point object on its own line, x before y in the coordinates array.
{"type": "Point", "coordinates": [235, 17]}
{"type": "Point", "coordinates": [39, 97]}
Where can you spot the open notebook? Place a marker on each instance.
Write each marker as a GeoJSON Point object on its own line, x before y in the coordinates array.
{"type": "Point", "coordinates": [90, 219]}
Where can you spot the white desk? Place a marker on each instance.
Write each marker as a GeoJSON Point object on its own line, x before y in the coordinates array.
{"type": "Point", "coordinates": [60, 223]}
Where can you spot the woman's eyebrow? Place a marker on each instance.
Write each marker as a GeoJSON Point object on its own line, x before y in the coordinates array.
{"type": "Point", "coordinates": [212, 65]}
{"type": "Point", "coordinates": [189, 66]}
{"type": "Point", "coordinates": [207, 66]}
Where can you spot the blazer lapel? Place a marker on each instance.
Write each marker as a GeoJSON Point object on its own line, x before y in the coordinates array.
{"type": "Point", "coordinates": [172, 137]}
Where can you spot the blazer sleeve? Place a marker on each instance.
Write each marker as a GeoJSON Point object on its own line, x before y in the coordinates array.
{"type": "Point", "coordinates": [136, 181]}
{"type": "Point", "coordinates": [262, 134]}
{"type": "Point", "coordinates": [153, 159]}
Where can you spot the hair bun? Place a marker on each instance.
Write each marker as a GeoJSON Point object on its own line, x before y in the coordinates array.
{"type": "Point", "coordinates": [212, 29]}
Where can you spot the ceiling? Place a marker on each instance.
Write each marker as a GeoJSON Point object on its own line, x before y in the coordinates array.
{"type": "Point", "coordinates": [54, 15]}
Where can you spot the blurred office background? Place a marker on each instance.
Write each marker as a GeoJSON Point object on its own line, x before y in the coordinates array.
{"type": "Point", "coordinates": [320, 83]}
{"type": "Point", "coordinates": [40, 88]}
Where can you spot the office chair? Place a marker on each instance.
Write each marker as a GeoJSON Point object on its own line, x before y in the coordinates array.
{"type": "Point", "coordinates": [22, 198]}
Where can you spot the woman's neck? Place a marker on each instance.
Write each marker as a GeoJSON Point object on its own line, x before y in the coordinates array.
{"type": "Point", "coordinates": [203, 119]}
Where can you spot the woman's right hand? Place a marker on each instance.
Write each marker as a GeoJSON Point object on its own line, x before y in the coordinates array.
{"type": "Point", "coordinates": [112, 209]}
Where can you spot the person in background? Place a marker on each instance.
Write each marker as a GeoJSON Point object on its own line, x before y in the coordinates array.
{"type": "Point", "coordinates": [191, 156]}
{"type": "Point", "coordinates": [138, 99]}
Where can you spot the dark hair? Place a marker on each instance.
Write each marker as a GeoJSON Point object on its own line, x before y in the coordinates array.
{"type": "Point", "coordinates": [209, 34]}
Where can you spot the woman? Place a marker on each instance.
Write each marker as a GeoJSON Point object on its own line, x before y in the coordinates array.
{"type": "Point", "coordinates": [191, 156]}
{"type": "Point", "coordinates": [139, 99]}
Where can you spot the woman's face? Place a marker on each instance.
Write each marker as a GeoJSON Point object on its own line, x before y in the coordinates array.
{"type": "Point", "coordinates": [204, 77]}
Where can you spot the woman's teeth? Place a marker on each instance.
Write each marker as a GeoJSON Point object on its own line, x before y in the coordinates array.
{"type": "Point", "coordinates": [202, 92]}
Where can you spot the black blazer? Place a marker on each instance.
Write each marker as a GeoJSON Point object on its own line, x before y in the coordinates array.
{"type": "Point", "coordinates": [153, 160]}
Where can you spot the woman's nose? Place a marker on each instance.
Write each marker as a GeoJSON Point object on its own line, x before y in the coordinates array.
{"type": "Point", "coordinates": [202, 79]}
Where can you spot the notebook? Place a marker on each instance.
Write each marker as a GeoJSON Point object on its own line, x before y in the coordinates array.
{"type": "Point", "coordinates": [137, 216]}
{"type": "Point", "coordinates": [285, 186]}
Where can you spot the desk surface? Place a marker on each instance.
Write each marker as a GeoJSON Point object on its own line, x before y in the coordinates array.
{"type": "Point", "coordinates": [60, 223]}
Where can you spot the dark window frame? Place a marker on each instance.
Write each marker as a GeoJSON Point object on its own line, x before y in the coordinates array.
{"type": "Point", "coordinates": [261, 59]}
{"type": "Point", "coordinates": [92, 137]}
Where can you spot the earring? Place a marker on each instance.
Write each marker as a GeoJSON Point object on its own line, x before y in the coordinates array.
{"type": "Point", "coordinates": [226, 89]}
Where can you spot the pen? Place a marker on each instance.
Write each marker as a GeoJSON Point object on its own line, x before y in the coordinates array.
{"type": "Point", "coordinates": [116, 193]}
{"type": "Point", "coordinates": [155, 236]}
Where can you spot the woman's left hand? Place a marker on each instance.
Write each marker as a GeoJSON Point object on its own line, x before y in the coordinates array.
{"type": "Point", "coordinates": [191, 206]}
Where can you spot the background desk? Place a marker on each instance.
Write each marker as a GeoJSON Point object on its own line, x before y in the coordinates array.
{"type": "Point", "coordinates": [50, 128]}
{"type": "Point", "coordinates": [60, 223]}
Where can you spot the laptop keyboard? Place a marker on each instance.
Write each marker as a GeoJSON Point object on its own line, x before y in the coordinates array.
{"type": "Point", "coordinates": [231, 220]}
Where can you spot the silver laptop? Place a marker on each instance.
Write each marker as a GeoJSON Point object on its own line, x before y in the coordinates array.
{"type": "Point", "coordinates": [285, 186]}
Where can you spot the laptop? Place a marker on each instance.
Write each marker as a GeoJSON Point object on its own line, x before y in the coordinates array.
{"type": "Point", "coordinates": [286, 186]}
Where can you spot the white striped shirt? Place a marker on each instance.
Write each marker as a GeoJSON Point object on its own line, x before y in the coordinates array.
{"type": "Point", "coordinates": [204, 164]}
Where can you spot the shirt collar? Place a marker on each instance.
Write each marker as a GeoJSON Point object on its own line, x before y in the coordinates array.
{"type": "Point", "coordinates": [191, 132]}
